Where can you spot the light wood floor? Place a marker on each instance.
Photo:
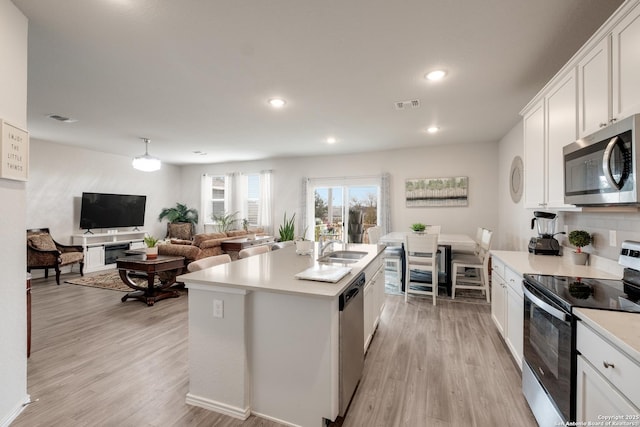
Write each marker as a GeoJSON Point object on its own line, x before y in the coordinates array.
{"type": "Point", "coordinates": [98, 362]}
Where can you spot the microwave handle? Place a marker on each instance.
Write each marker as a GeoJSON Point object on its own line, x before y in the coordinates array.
{"type": "Point", "coordinates": [558, 314]}
{"type": "Point", "coordinates": [606, 164]}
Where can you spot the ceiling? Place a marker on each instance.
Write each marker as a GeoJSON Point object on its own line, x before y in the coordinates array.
{"type": "Point", "coordinates": [195, 75]}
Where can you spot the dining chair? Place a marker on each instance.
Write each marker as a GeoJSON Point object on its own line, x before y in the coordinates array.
{"type": "Point", "coordinates": [392, 255]}
{"type": "Point", "coordinates": [476, 249]}
{"type": "Point", "coordinates": [472, 271]}
{"type": "Point", "coordinates": [256, 250]}
{"type": "Point", "coordinates": [421, 256]}
{"type": "Point", "coordinates": [432, 229]}
{"type": "Point", "coordinates": [207, 262]}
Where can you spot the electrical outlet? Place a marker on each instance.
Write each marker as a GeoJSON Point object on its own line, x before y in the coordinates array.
{"type": "Point", "coordinates": [218, 308]}
{"type": "Point", "coordinates": [613, 238]}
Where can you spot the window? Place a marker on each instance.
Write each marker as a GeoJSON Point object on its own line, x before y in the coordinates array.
{"type": "Point", "coordinates": [217, 196]}
{"type": "Point", "coordinates": [252, 207]}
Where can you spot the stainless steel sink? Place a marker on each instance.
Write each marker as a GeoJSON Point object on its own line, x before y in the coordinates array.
{"type": "Point", "coordinates": [342, 257]}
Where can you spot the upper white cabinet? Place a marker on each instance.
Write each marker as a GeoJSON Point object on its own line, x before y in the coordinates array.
{"type": "Point", "coordinates": [595, 83]}
{"type": "Point", "coordinates": [549, 125]}
{"type": "Point", "coordinates": [609, 88]}
{"type": "Point", "coordinates": [534, 155]}
{"type": "Point", "coordinates": [625, 42]}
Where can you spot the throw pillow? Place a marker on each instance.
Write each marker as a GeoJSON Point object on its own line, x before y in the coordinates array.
{"type": "Point", "coordinates": [44, 242]}
{"type": "Point", "coordinates": [181, 230]}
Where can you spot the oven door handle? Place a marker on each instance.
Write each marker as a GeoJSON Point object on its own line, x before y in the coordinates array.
{"type": "Point", "coordinates": [558, 314]}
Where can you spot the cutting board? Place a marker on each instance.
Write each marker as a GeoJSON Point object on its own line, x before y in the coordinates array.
{"type": "Point", "coordinates": [324, 273]}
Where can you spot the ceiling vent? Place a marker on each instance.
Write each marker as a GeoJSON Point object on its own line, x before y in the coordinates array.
{"type": "Point", "coordinates": [61, 118]}
{"type": "Point", "coordinates": [407, 105]}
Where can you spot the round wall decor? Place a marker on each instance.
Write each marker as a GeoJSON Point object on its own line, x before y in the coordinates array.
{"type": "Point", "coordinates": [516, 179]}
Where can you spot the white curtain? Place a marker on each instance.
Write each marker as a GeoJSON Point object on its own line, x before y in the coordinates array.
{"type": "Point", "coordinates": [303, 208]}
{"type": "Point", "coordinates": [265, 207]}
{"type": "Point", "coordinates": [205, 200]}
{"type": "Point", "coordinates": [385, 203]}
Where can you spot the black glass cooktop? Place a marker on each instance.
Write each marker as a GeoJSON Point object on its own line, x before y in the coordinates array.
{"type": "Point", "coordinates": [587, 293]}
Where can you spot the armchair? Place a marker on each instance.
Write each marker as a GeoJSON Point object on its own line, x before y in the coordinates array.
{"type": "Point", "coordinates": [44, 253]}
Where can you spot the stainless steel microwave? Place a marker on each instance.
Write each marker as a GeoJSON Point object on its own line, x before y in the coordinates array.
{"type": "Point", "coordinates": [600, 169]}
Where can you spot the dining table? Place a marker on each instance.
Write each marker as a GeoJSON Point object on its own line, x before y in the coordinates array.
{"type": "Point", "coordinates": [447, 242]}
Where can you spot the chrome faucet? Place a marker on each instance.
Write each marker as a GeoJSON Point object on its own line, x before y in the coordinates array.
{"type": "Point", "coordinates": [325, 245]}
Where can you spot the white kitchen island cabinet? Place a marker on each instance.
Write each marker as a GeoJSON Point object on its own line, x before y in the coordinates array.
{"type": "Point", "coordinates": [262, 342]}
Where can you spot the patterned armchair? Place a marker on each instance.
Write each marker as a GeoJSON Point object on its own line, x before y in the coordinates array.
{"type": "Point", "coordinates": [44, 253]}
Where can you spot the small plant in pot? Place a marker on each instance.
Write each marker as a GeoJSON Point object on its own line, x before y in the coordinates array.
{"type": "Point", "coordinates": [418, 227]}
{"type": "Point", "coordinates": [152, 247]}
{"type": "Point", "coordinates": [580, 239]}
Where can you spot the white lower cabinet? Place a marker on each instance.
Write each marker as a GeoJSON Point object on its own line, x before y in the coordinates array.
{"type": "Point", "coordinates": [507, 307]}
{"type": "Point", "coordinates": [374, 297]}
{"type": "Point", "coordinates": [607, 381]}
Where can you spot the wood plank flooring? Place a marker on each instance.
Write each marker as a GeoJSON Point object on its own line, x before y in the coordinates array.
{"type": "Point", "coordinates": [98, 362]}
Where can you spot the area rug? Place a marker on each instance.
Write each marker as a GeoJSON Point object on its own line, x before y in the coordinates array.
{"type": "Point", "coordinates": [110, 280]}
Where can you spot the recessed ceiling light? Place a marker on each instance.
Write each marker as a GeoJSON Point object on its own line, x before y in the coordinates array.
{"type": "Point", "coordinates": [331, 140]}
{"type": "Point", "coordinates": [436, 75]}
{"type": "Point", "coordinates": [433, 129]}
{"type": "Point", "coordinates": [277, 102]}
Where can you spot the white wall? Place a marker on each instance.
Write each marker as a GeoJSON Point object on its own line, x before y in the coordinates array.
{"type": "Point", "coordinates": [514, 219]}
{"type": "Point", "coordinates": [60, 173]}
{"type": "Point", "coordinates": [477, 161]}
{"type": "Point", "coordinates": [13, 325]}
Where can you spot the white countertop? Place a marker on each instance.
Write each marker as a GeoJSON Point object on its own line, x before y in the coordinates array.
{"type": "Point", "coordinates": [620, 327]}
{"type": "Point", "coordinates": [526, 263]}
{"type": "Point", "coordinates": [274, 272]}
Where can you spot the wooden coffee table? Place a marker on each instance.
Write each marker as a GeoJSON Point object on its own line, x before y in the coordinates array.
{"type": "Point", "coordinates": [151, 293]}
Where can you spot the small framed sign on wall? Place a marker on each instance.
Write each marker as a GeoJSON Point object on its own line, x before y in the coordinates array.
{"type": "Point", "coordinates": [15, 152]}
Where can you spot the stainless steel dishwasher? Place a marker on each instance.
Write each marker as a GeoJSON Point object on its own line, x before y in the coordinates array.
{"type": "Point", "coordinates": [351, 305]}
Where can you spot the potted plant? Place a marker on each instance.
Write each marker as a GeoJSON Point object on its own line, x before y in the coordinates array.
{"type": "Point", "coordinates": [245, 227]}
{"type": "Point", "coordinates": [180, 214]}
{"type": "Point", "coordinates": [152, 246]}
{"type": "Point", "coordinates": [304, 246]}
{"type": "Point", "coordinates": [225, 221]}
{"type": "Point", "coordinates": [580, 239]}
{"type": "Point", "coordinates": [287, 229]}
{"type": "Point", "coordinates": [418, 227]}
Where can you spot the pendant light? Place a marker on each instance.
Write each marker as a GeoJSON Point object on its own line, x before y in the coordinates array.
{"type": "Point", "coordinates": [146, 163]}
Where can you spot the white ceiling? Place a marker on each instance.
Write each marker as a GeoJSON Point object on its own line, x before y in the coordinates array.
{"type": "Point", "coordinates": [195, 75]}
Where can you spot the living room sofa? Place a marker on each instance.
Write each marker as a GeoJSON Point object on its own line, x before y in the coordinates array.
{"type": "Point", "coordinates": [209, 244]}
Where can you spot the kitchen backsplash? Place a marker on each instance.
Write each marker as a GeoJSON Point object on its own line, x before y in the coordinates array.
{"type": "Point", "coordinates": [625, 224]}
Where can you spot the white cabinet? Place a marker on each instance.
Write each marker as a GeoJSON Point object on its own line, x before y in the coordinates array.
{"type": "Point", "coordinates": [498, 301]}
{"type": "Point", "coordinates": [609, 88]}
{"type": "Point", "coordinates": [374, 297]}
{"type": "Point", "coordinates": [549, 125]}
{"type": "Point", "coordinates": [606, 380]}
{"type": "Point", "coordinates": [534, 163]}
{"type": "Point", "coordinates": [507, 306]}
{"type": "Point", "coordinates": [96, 245]}
{"type": "Point", "coordinates": [562, 120]}
{"type": "Point", "coordinates": [625, 39]}
{"type": "Point", "coordinates": [594, 88]}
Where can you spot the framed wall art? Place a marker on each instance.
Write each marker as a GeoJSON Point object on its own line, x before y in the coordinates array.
{"type": "Point", "coordinates": [437, 192]}
{"type": "Point", "coordinates": [15, 152]}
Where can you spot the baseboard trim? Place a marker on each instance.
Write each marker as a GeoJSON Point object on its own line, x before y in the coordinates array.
{"type": "Point", "coordinates": [219, 407]}
{"type": "Point", "coordinates": [11, 416]}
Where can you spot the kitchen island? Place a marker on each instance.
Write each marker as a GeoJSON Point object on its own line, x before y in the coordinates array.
{"type": "Point", "coordinates": [265, 343]}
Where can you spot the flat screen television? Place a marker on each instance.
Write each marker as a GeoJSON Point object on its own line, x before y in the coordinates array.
{"type": "Point", "coordinates": [101, 210]}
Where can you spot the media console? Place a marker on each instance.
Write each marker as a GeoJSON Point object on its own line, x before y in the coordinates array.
{"type": "Point", "coordinates": [102, 249]}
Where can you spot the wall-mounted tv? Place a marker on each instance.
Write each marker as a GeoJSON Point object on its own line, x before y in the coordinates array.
{"type": "Point", "coordinates": [101, 210]}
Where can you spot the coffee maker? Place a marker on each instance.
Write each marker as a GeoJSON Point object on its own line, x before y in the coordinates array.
{"type": "Point", "coordinates": [545, 243]}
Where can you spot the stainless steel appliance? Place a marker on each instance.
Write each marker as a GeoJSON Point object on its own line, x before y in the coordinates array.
{"type": "Point", "coordinates": [545, 243]}
{"type": "Point", "coordinates": [549, 371]}
{"type": "Point", "coordinates": [351, 306]}
{"type": "Point", "coordinates": [601, 169]}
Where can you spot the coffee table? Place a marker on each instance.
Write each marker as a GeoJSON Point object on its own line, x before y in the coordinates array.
{"type": "Point", "coordinates": [151, 293]}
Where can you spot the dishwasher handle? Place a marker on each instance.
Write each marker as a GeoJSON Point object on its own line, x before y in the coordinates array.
{"type": "Point", "coordinates": [351, 292]}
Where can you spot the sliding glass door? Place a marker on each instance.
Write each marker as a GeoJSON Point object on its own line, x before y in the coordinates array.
{"type": "Point", "coordinates": [343, 213]}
